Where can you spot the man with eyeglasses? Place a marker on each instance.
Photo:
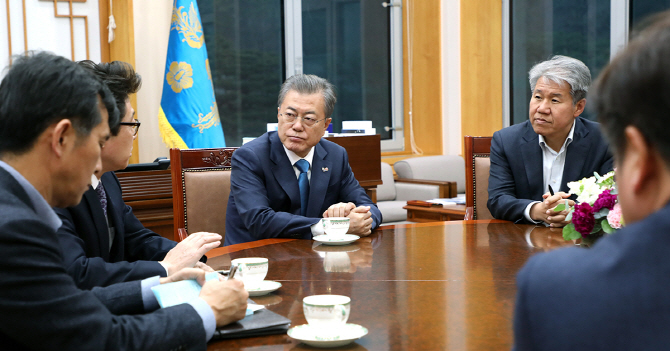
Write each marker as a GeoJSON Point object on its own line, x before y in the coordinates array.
{"type": "Point", "coordinates": [284, 182]}
{"type": "Point", "coordinates": [103, 242]}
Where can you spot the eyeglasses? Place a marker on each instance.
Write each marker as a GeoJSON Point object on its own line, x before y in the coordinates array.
{"type": "Point", "coordinates": [135, 125]}
{"type": "Point", "coordinates": [306, 121]}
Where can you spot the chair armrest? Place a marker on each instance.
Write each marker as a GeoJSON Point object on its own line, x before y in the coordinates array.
{"type": "Point", "coordinates": [447, 189]}
{"type": "Point", "coordinates": [411, 191]}
{"type": "Point", "coordinates": [182, 233]}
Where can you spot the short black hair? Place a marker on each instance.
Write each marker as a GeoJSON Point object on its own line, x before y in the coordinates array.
{"type": "Point", "coordinates": [634, 90]}
{"type": "Point", "coordinates": [42, 88]}
{"type": "Point", "coordinates": [120, 78]}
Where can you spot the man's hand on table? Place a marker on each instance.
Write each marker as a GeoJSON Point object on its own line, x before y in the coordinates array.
{"type": "Point", "coordinates": [360, 221]}
{"type": "Point", "coordinates": [227, 298]}
{"type": "Point", "coordinates": [188, 252]}
{"type": "Point", "coordinates": [360, 218]}
{"type": "Point", "coordinates": [543, 211]}
{"type": "Point", "coordinates": [339, 210]}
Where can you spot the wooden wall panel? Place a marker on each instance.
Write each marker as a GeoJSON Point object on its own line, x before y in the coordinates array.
{"type": "Point", "coordinates": [424, 44]}
{"type": "Point", "coordinates": [481, 67]}
{"type": "Point", "coordinates": [123, 46]}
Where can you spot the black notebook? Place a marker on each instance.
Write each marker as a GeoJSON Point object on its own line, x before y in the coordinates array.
{"type": "Point", "coordinates": [262, 322]}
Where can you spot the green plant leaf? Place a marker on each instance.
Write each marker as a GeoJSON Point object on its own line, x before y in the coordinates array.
{"type": "Point", "coordinates": [569, 232]}
{"type": "Point", "coordinates": [607, 228]}
{"type": "Point", "coordinates": [602, 213]}
{"type": "Point", "coordinates": [596, 227]}
{"type": "Point", "coordinates": [560, 207]}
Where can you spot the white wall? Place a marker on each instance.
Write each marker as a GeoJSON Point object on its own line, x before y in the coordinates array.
{"type": "Point", "coordinates": [451, 76]}
{"type": "Point", "coordinates": [46, 32]}
{"type": "Point", "coordinates": [152, 30]}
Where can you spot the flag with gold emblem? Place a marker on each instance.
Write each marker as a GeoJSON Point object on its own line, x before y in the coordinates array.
{"type": "Point", "coordinates": [188, 116]}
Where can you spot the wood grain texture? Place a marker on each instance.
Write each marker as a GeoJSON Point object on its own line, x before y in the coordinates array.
{"type": "Point", "coordinates": [122, 48]}
{"type": "Point", "coordinates": [481, 67]}
{"type": "Point", "coordinates": [428, 286]}
{"type": "Point", "coordinates": [149, 193]}
{"type": "Point", "coordinates": [423, 41]}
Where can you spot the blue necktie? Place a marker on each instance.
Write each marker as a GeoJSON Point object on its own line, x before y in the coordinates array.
{"type": "Point", "coordinates": [303, 184]}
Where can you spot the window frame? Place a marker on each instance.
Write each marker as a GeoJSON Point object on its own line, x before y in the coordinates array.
{"type": "Point", "coordinates": [294, 62]}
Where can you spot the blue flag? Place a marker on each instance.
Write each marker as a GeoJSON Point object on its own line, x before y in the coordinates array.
{"type": "Point", "coordinates": [189, 116]}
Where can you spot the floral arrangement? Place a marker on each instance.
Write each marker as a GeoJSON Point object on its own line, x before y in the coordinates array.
{"type": "Point", "coordinates": [597, 210]}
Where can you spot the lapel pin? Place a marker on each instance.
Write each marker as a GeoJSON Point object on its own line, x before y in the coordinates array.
{"type": "Point", "coordinates": [325, 169]}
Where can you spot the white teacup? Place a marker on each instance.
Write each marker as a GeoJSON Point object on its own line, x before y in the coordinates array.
{"type": "Point", "coordinates": [251, 270]}
{"type": "Point", "coordinates": [326, 313]}
{"type": "Point", "coordinates": [335, 226]}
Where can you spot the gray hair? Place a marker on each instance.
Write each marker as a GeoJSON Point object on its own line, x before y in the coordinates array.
{"type": "Point", "coordinates": [562, 69]}
{"type": "Point", "coordinates": [310, 84]}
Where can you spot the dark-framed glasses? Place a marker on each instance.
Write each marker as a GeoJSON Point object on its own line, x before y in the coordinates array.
{"type": "Point", "coordinates": [135, 124]}
{"type": "Point", "coordinates": [306, 121]}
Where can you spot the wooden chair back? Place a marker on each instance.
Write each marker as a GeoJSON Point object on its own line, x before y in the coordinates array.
{"type": "Point", "coordinates": [477, 165]}
{"type": "Point", "coordinates": [200, 187]}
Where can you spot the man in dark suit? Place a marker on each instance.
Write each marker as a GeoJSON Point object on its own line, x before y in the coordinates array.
{"type": "Point", "coordinates": [266, 198]}
{"type": "Point", "coordinates": [614, 296]}
{"type": "Point", "coordinates": [554, 147]}
{"type": "Point", "coordinates": [54, 121]}
{"type": "Point", "coordinates": [107, 244]}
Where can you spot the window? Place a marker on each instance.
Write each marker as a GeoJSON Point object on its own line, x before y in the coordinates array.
{"type": "Point", "coordinates": [254, 45]}
{"type": "Point", "coordinates": [589, 30]}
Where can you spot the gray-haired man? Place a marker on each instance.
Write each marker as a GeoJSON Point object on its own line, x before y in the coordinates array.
{"type": "Point", "coordinates": [554, 147]}
{"type": "Point", "coordinates": [284, 182]}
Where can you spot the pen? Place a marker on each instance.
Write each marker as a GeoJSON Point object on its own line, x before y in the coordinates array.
{"type": "Point", "coordinates": [232, 271]}
{"type": "Point", "coordinates": [551, 191]}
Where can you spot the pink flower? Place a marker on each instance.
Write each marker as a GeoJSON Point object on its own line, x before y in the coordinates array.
{"type": "Point", "coordinates": [605, 200]}
{"type": "Point", "coordinates": [614, 217]}
{"type": "Point", "coordinates": [583, 218]}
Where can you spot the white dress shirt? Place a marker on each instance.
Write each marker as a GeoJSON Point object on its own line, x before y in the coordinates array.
{"type": "Point", "coordinates": [553, 164]}
{"type": "Point", "coordinates": [317, 228]}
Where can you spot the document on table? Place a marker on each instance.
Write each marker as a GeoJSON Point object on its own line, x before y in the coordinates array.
{"type": "Point", "coordinates": [183, 291]}
{"type": "Point", "coordinates": [458, 200]}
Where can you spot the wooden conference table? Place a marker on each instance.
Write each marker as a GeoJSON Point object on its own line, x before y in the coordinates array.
{"type": "Point", "coordinates": [427, 286]}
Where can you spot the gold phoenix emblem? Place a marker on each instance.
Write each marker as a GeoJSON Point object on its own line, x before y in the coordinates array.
{"type": "Point", "coordinates": [188, 25]}
{"type": "Point", "coordinates": [180, 76]}
{"type": "Point", "coordinates": [209, 120]}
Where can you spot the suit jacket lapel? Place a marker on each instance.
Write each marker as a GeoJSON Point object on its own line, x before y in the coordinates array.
{"type": "Point", "coordinates": [284, 175]}
{"type": "Point", "coordinates": [575, 155]}
{"type": "Point", "coordinates": [98, 216]}
{"type": "Point", "coordinates": [532, 162]}
{"type": "Point", "coordinates": [318, 184]}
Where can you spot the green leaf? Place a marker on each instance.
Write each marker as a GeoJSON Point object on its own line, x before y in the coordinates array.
{"type": "Point", "coordinates": [602, 213]}
{"type": "Point", "coordinates": [560, 207]}
{"type": "Point", "coordinates": [569, 232]}
{"type": "Point", "coordinates": [607, 228]}
{"type": "Point", "coordinates": [596, 227]}
{"type": "Point", "coordinates": [568, 218]}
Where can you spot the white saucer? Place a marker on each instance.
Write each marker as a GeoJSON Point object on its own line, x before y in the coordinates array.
{"type": "Point", "coordinates": [266, 287]}
{"type": "Point", "coordinates": [348, 333]}
{"type": "Point", "coordinates": [329, 248]}
{"type": "Point", "coordinates": [343, 240]}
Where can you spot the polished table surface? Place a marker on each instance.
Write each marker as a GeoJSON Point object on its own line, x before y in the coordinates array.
{"type": "Point", "coordinates": [428, 286]}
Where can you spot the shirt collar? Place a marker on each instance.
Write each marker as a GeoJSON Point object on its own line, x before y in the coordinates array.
{"type": "Point", "coordinates": [42, 208]}
{"type": "Point", "coordinates": [293, 158]}
{"type": "Point", "coordinates": [94, 181]}
{"type": "Point", "coordinates": [567, 142]}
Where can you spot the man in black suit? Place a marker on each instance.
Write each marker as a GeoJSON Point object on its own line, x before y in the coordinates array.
{"type": "Point", "coordinates": [554, 147]}
{"type": "Point", "coordinates": [614, 296]}
{"type": "Point", "coordinates": [54, 121]}
{"type": "Point", "coordinates": [267, 199]}
{"type": "Point", "coordinates": [107, 244]}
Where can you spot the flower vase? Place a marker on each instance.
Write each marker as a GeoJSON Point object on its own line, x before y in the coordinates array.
{"type": "Point", "coordinates": [591, 239]}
